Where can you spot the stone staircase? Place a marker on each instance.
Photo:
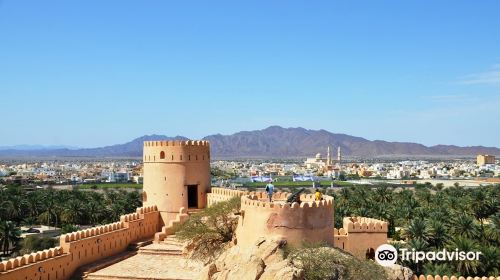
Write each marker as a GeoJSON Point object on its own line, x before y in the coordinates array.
{"type": "Point", "coordinates": [164, 258]}
{"type": "Point", "coordinates": [169, 246]}
{"type": "Point", "coordinates": [169, 229]}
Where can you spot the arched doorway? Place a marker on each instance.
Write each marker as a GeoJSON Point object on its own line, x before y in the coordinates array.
{"type": "Point", "coordinates": [370, 254]}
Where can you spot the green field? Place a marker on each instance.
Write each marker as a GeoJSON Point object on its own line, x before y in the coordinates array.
{"type": "Point", "coordinates": [297, 184]}
{"type": "Point", "coordinates": [110, 186]}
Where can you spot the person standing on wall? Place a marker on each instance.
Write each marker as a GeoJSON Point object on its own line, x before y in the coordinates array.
{"type": "Point", "coordinates": [270, 190]}
{"type": "Point", "coordinates": [317, 195]}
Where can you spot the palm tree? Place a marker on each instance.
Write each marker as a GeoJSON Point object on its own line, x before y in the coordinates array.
{"type": "Point", "coordinates": [14, 208]}
{"type": "Point", "coordinates": [115, 210]}
{"type": "Point", "coordinates": [72, 212]}
{"type": "Point", "coordinates": [94, 212]}
{"type": "Point", "coordinates": [437, 234]}
{"type": "Point", "coordinates": [418, 244]}
{"type": "Point", "coordinates": [483, 207]}
{"type": "Point", "coordinates": [465, 267]}
{"type": "Point", "coordinates": [489, 259]}
{"type": "Point", "coordinates": [437, 269]}
{"type": "Point", "coordinates": [465, 226]}
{"type": "Point", "coordinates": [383, 195]}
{"type": "Point", "coordinates": [417, 230]}
{"type": "Point", "coordinates": [50, 206]}
{"type": "Point", "coordinates": [493, 230]}
{"type": "Point", "coordinates": [9, 236]}
{"type": "Point", "coordinates": [33, 204]}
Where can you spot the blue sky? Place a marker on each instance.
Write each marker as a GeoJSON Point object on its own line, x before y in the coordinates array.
{"type": "Point", "coordinates": [92, 73]}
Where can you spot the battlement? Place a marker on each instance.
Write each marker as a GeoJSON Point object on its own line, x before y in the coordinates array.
{"type": "Point", "coordinates": [84, 247]}
{"type": "Point", "coordinates": [363, 224]}
{"type": "Point", "coordinates": [437, 277]}
{"type": "Point", "coordinates": [147, 209]}
{"type": "Point", "coordinates": [339, 232]}
{"type": "Point", "coordinates": [308, 220]}
{"type": "Point", "coordinates": [227, 192]}
{"type": "Point", "coordinates": [259, 200]}
{"type": "Point", "coordinates": [30, 259]}
{"type": "Point", "coordinates": [176, 151]}
{"type": "Point", "coordinates": [91, 232]}
{"type": "Point", "coordinates": [217, 195]}
{"type": "Point", "coordinates": [176, 143]}
{"type": "Point", "coordinates": [130, 217]}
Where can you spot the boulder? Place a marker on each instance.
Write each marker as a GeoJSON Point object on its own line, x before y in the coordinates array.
{"type": "Point", "coordinates": [398, 272]}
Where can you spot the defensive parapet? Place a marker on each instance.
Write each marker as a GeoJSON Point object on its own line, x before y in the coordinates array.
{"type": "Point", "coordinates": [309, 221]}
{"type": "Point", "coordinates": [83, 247]}
{"type": "Point", "coordinates": [361, 236]}
{"type": "Point", "coordinates": [220, 194]}
{"type": "Point", "coordinates": [437, 277]}
{"type": "Point", "coordinates": [176, 174]}
{"type": "Point", "coordinates": [363, 224]}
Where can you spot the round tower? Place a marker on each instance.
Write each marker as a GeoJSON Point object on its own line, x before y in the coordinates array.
{"type": "Point", "coordinates": [176, 174]}
{"type": "Point", "coordinates": [309, 221]}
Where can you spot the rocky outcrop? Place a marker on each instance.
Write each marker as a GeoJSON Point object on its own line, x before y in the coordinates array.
{"type": "Point", "coordinates": [266, 261]}
{"type": "Point", "coordinates": [398, 272]}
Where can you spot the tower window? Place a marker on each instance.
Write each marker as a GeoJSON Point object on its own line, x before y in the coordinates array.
{"type": "Point", "coordinates": [172, 157]}
{"type": "Point", "coordinates": [181, 157]}
{"type": "Point", "coordinates": [162, 155]}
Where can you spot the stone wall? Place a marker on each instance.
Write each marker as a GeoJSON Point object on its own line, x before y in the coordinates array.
{"type": "Point", "coordinates": [359, 235]}
{"type": "Point", "coordinates": [309, 221]}
{"type": "Point", "coordinates": [83, 247]}
{"type": "Point", "coordinates": [220, 194]}
{"type": "Point", "coordinates": [437, 277]}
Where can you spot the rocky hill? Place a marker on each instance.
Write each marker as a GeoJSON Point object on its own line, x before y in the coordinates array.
{"type": "Point", "coordinates": [274, 141]}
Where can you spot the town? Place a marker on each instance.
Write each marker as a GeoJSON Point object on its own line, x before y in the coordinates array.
{"type": "Point", "coordinates": [483, 170]}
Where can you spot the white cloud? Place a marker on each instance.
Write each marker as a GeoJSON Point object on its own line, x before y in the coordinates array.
{"type": "Point", "coordinates": [491, 77]}
{"type": "Point", "coordinates": [451, 97]}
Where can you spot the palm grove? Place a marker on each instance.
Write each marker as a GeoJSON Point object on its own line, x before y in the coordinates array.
{"type": "Point", "coordinates": [431, 219]}
{"type": "Point", "coordinates": [425, 218]}
{"type": "Point", "coordinates": [67, 209]}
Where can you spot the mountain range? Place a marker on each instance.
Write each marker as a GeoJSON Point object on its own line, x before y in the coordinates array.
{"type": "Point", "coordinates": [274, 141]}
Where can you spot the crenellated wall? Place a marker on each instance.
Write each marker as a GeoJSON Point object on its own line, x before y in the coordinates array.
{"type": "Point", "coordinates": [310, 221]}
{"type": "Point", "coordinates": [437, 277]}
{"type": "Point", "coordinates": [217, 195]}
{"type": "Point", "coordinates": [83, 247]}
{"type": "Point", "coordinates": [171, 170]}
{"type": "Point", "coordinates": [359, 235]}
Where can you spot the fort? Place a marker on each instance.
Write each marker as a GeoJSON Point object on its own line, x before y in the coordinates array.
{"type": "Point", "coordinates": [176, 184]}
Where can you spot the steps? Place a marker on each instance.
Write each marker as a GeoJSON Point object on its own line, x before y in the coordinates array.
{"type": "Point", "coordinates": [169, 246]}
{"type": "Point", "coordinates": [180, 218]}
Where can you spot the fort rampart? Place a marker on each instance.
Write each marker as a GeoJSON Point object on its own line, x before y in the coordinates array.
{"type": "Point", "coordinates": [309, 221]}
{"type": "Point", "coordinates": [220, 194]}
{"type": "Point", "coordinates": [437, 277]}
{"type": "Point", "coordinates": [361, 236]}
{"type": "Point", "coordinates": [83, 247]}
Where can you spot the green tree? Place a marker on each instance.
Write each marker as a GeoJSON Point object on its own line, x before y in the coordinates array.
{"type": "Point", "coordinates": [9, 236]}
{"type": "Point", "coordinates": [465, 267]}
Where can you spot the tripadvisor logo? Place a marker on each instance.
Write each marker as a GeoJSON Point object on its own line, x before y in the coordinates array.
{"type": "Point", "coordinates": [387, 255]}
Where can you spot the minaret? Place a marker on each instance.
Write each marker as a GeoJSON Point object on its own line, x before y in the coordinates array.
{"type": "Point", "coordinates": [328, 157]}
{"type": "Point", "coordinates": [339, 155]}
